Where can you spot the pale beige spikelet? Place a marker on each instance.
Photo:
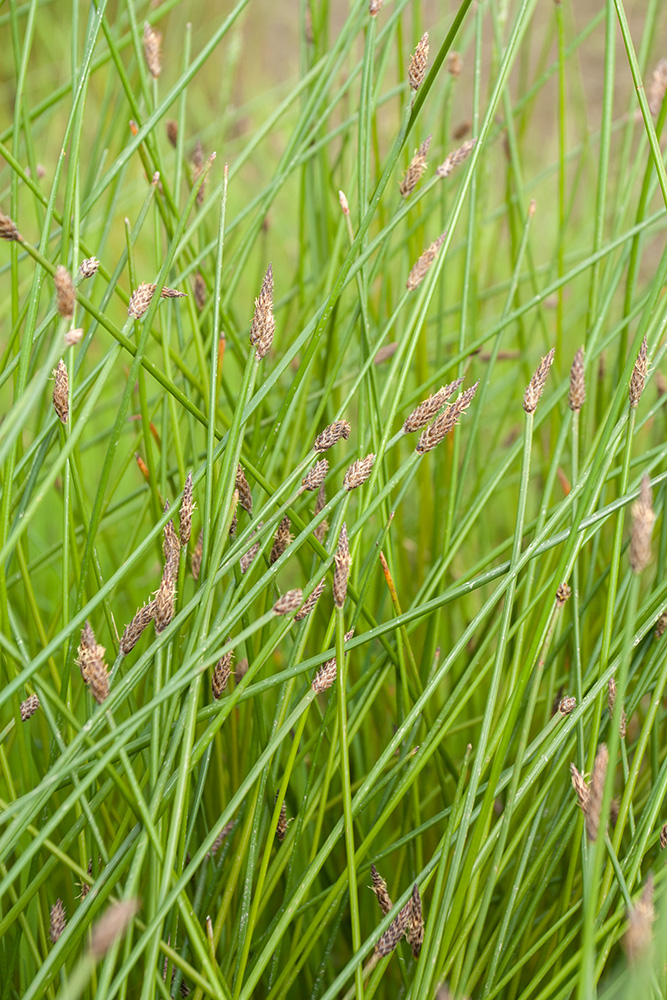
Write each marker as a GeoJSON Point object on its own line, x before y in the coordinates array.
{"type": "Point", "coordinates": [611, 703]}
{"type": "Point", "coordinates": [418, 63]}
{"type": "Point", "coordinates": [563, 594]}
{"type": "Point", "coordinates": [427, 409]}
{"type": "Point", "coordinates": [195, 563]}
{"type": "Point", "coordinates": [374, 7]}
{"type": "Point", "coordinates": [576, 397]}
{"type": "Point", "coordinates": [379, 887]}
{"type": "Point", "coordinates": [8, 230]}
{"type": "Point", "coordinates": [567, 705]}
{"type": "Point", "coordinates": [420, 269]}
{"type": "Point", "coordinates": [415, 931]}
{"type": "Point", "coordinates": [221, 675]}
{"type": "Point", "coordinates": [288, 602]}
{"type": "Point", "coordinates": [455, 64]}
{"type": "Point", "coordinates": [358, 472]}
{"type": "Point", "coordinates": [200, 291]}
{"type": "Point", "coordinates": [655, 91]}
{"type": "Point", "coordinates": [580, 787]}
{"type": "Point", "coordinates": [171, 547]}
{"type": "Point", "coordinates": [134, 630]}
{"type": "Point", "coordinates": [639, 935]}
{"type": "Point", "coordinates": [416, 169]}
{"type": "Point", "coordinates": [310, 602]}
{"type": "Point", "coordinates": [185, 513]}
{"type": "Point", "coordinates": [165, 599]}
{"type": "Point", "coordinates": [241, 484]}
{"type": "Point", "coordinates": [140, 299]}
{"type": "Point", "coordinates": [393, 934]}
{"type": "Point", "coordinates": [536, 385]}
{"type": "Point", "coordinates": [57, 921]}
{"type": "Point", "coordinates": [281, 827]}
{"type": "Point", "coordinates": [171, 128]}
{"type": "Point", "coordinates": [89, 267]}
{"type": "Point", "coordinates": [315, 477]}
{"type": "Point", "coordinates": [343, 561]}
{"type": "Point", "coordinates": [281, 540]}
{"type": "Point", "coordinates": [98, 681]}
{"type": "Point", "coordinates": [111, 926]}
{"type": "Point", "coordinates": [594, 803]}
{"type": "Point", "coordinates": [638, 377]}
{"type": "Point", "coordinates": [339, 430]}
{"type": "Point", "coordinates": [65, 292]}
{"type": "Point", "coordinates": [643, 519]}
{"type": "Point", "coordinates": [29, 707]}
{"type": "Point", "coordinates": [445, 422]}
{"type": "Point", "coordinates": [72, 337]}
{"type": "Point", "coordinates": [343, 202]}
{"type": "Point", "coordinates": [263, 325]}
{"type": "Point", "coordinates": [455, 158]}
{"type": "Point", "coordinates": [152, 43]}
{"type": "Point", "coordinates": [326, 675]}
{"type": "Point", "coordinates": [61, 391]}
{"type": "Point", "coordinates": [88, 650]}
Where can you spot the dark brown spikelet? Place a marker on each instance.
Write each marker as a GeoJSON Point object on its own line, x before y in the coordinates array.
{"type": "Point", "coordinates": [200, 291]}
{"type": "Point", "coordinates": [576, 397]}
{"type": "Point", "coordinates": [395, 931]}
{"type": "Point", "coordinates": [315, 477]}
{"type": "Point", "coordinates": [320, 504]}
{"type": "Point", "coordinates": [245, 496]}
{"type": "Point", "coordinates": [462, 129]}
{"type": "Point", "coordinates": [98, 681]}
{"type": "Point", "coordinates": [281, 827]}
{"type": "Point", "coordinates": [247, 559]}
{"type": "Point", "coordinates": [165, 599]}
{"type": "Point", "coordinates": [133, 631]}
{"type": "Point", "coordinates": [310, 602]}
{"type": "Point", "coordinates": [611, 702]}
{"type": "Point", "coordinates": [445, 422]}
{"type": "Point", "coordinates": [638, 377]}
{"type": "Point", "coordinates": [185, 513]}
{"type": "Point", "coordinates": [455, 64]}
{"type": "Point", "coordinates": [418, 63]}
{"type": "Point", "coordinates": [639, 934]}
{"type": "Point", "coordinates": [61, 391]}
{"type": "Point", "coordinates": [426, 410]}
{"type": "Point", "coordinates": [140, 299]}
{"type": "Point", "coordinates": [379, 887]}
{"type": "Point", "coordinates": [580, 787]}
{"type": "Point", "coordinates": [8, 230]}
{"type": "Point", "coordinates": [535, 387]}
{"type": "Point", "coordinates": [89, 267]}
{"type": "Point", "coordinates": [29, 707]}
{"type": "Point", "coordinates": [171, 546]}
{"type": "Point", "coordinates": [661, 625]}
{"type": "Point", "coordinates": [152, 42]}
{"type": "Point", "coordinates": [663, 836]}
{"type": "Point", "coordinates": [415, 931]}
{"type": "Point", "coordinates": [563, 594]}
{"type": "Point", "coordinates": [339, 430]}
{"type": "Point", "coordinates": [455, 158]}
{"type": "Point", "coordinates": [217, 843]}
{"type": "Point", "coordinates": [567, 704]}
{"type": "Point", "coordinates": [594, 802]}
{"type": "Point", "coordinates": [289, 602]}
{"type": "Point", "coordinates": [326, 675]}
{"type": "Point", "coordinates": [416, 169]}
{"type": "Point", "coordinates": [263, 325]}
{"type": "Point", "coordinates": [643, 519]}
{"type": "Point", "coordinates": [58, 920]}
{"type": "Point", "coordinates": [195, 563]}
{"type": "Point", "coordinates": [420, 269]}
{"type": "Point", "coordinates": [172, 293]}
{"type": "Point", "coordinates": [281, 540]}
{"type": "Point", "coordinates": [358, 472]}
{"type": "Point", "coordinates": [221, 674]}
{"type": "Point", "coordinates": [343, 562]}
{"type": "Point", "coordinates": [112, 925]}
{"type": "Point", "coordinates": [65, 293]}
{"type": "Point", "coordinates": [171, 127]}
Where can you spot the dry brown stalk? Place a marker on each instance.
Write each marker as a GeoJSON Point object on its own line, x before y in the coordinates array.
{"type": "Point", "coordinates": [416, 169]}
{"type": "Point", "coordinates": [536, 385]}
{"type": "Point", "coordinates": [455, 158]}
{"type": "Point", "coordinates": [263, 325]}
{"type": "Point", "coordinates": [643, 519]}
{"type": "Point", "coordinates": [65, 292]}
{"type": "Point", "coordinates": [426, 410]}
{"type": "Point", "coordinates": [339, 430]}
{"type": "Point", "coordinates": [61, 391]}
{"type": "Point", "coordinates": [420, 269]}
{"type": "Point", "coordinates": [418, 63]}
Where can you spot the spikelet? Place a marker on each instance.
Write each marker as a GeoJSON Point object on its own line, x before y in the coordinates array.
{"type": "Point", "coordinates": [171, 546]}
{"type": "Point", "coordinates": [580, 787]}
{"type": "Point", "coordinates": [310, 602]}
{"type": "Point", "coordinates": [61, 392]}
{"type": "Point", "coordinates": [358, 472]}
{"type": "Point", "coordinates": [289, 602]}
{"type": "Point", "coordinates": [455, 64]}
{"type": "Point", "coordinates": [320, 504]}
{"type": "Point", "coordinates": [195, 563]}
{"type": "Point", "coordinates": [416, 169]}
{"type": "Point", "coordinates": [29, 707]}
{"type": "Point", "coordinates": [455, 158]}
{"type": "Point", "coordinates": [88, 651]}
{"type": "Point", "coordinates": [241, 670]}
{"type": "Point", "coordinates": [337, 431]}
{"type": "Point", "coordinates": [281, 827]}
{"type": "Point", "coordinates": [221, 674]}
{"type": "Point", "coordinates": [281, 540]}
{"type": "Point", "coordinates": [577, 394]}
{"type": "Point", "coordinates": [133, 631]}
{"type": "Point", "coordinates": [444, 423]}
{"type": "Point", "coordinates": [374, 7]}
{"type": "Point", "coordinates": [172, 293]}
{"type": "Point", "coordinates": [393, 934]}
{"type": "Point", "coordinates": [217, 843]}
{"type": "Point", "coordinates": [263, 325]}
{"type": "Point", "coordinates": [594, 802]}
{"type": "Point", "coordinates": [171, 128]}
{"type": "Point", "coordinates": [420, 269]}
{"type": "Point", "coordinates": [98, 681]}
{"type": "Point", "coordinates": [536, 385]}
{"type": "Point", "coordinates": [663, 836]}
{"type": "Point", "coordinates": [661, 625]}
{"type": "Point", "coordinates": [415, 931]}
{"type": "Point", "coordinates": [112, 925]}
{"type": "Point", "coordinates": [343, 562]}
{"type": "Point", "coordinates": [315, 476]}
{"type": "Point", "coordinates": [462, 129]}
{"type": "Point", "coordinates": [611, 702]}
{"type": "Point", "coordinates": [241, 484]}
{"type": "Point", "coordinates": [643, 519]}
{"type": "Point", "coordinates": [152, 41]}
{"type": "Point", "coordinates": [185, 513]}
{"type": "Point", "coordinates": [563, 594]}
{"type": "Point", "coordinates": [65, 293]}
{"type": "Point", "coordinates": [165, 599]}
{"type": "Point", "coordinates": [89, 267]}
{"type": "Point", "coordinates": [72, 337]}
{"type": "Point", "coordinates": [379, 887]}
{"type": "Point", "coordinates": [247, 559]}
{"type": "Point", "coordinates": [639, 934]}
{"type": "Point", "coordinates": [140, 300]}
{"type": "Point", "coordinates": [638, 377]}
{"type": "Point", "coordinates": [326, 675]}
{"type": "Point", "coordinates": [58, 920]}
{"type": "Point", "coordinates": [417, 67]}
{"type": "Point", "coordinates": [200, 291]}
{"type": "Point", "coordinates": [8, 230]}
{"type": "Point", "coordinates": [567, 704]}
{"type": "Point", "coordinates": [426, 410]}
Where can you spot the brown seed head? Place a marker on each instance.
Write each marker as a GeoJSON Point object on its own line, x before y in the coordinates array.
{"type": "Point", "coordinates": [462, 129]}
{"type": "Point", "coordinates": [217, 843]}
{"type": "Point", "coordinates": [172, 293]}
{"type": "Point", "coordinates": [112, 925]}
{"type": "Point", "coordinates": [263, 325]}
{"type": "Point", "coordinates": [165, 598]}
{"type": "Point", "coordinates": [289, 602]}
{"type": "Point", "coordinates": [379, 887]}
{"type": "Point", "coordinates": [91, 664]}
{"type": "Point", "coordinates": [567, 704]}
{"type": "Point", "coordinates": [8, 230]}
{"type": "Point", "coordinates": [337, 431]}
{"type": "Point", "coordinates": [185, 513]}
{"type": "Point", "coordinates": [245, 496]}
{"type": "Point", "coordinates": [247, 559]}
{"type": "Point", "coordinates": [395, 931]}
{"type": "Point", "coordinates": [310, 602]}
{"type": "Point", "coordinates": [445, 422]}
{"type": "Point", "coordinates": [416, 169]}
{"type": "Point", "coordinates": [358, 472]}
{"type": "Point", "coordinates": [421, 416]}
{"type": "Point", "coordinates": [639, 934]}
{"type": "Point", "coordinates": [89, 267]}
{"type": "Point", "coordinates": [134, 630]}
{"type": "Point", "coordinates": [417, 67]}
{"type": "Point", "coordinates": [140, 299]}
{"type": "Point", "coordinates": [221, 674]}
{"type": "Point", "coordinates": [643, 519]}
{"type": "Point", "coordinates": [200, 291]}
{"type": "Point", "coordinates": [326, 675]}
{"type": "Point", "coordinates": [374, 7]}
{"type": "Point", "coordinates": [577, 394]}
{"type": "Point", "coordinates": [343, 561]}
{"type": "Point", "coordinates": [594, 803]}
{"type": "Point", "coordinates": [61, 391]}
{"type": "Point", "coordinates": [315, 477]}
{"type": "Point", "coordinates": [563, 594]}
{"type": "Point", "coordinates": [171, 546]}
{"type": "Point", "coordinates": [455, 158]}
{"type": "Point", "coordinates": [65, 293]}
{"type": "Point", "coordinates": [281, 828]}
{"type": "Point", "coordinates": [663, 836]}
{"type": "Point", "coordinates": [281, 540]}
{"type": "Point", "coordinates": [580, 787]}
{"type": "Point", "coordinates": [152, 42]}
{"type": "Point", "coordinates": [98, 680]}
{"type": "Point", "coordinates": [415, 931]}
{"type": "Point", "coordinates": [320, 504]}
{"type": "Point", "coordinates": [661, 625]}
{"type": "Point", "coordinates": [455, 64]}
{"type": "Point", "coordinates": [58, 920]}
{"type": "Point", "coordinates": [420, 268]}
{"type": "Point", "coordinates": [171, 127]}
{"type": "Point", "coordinates": [638, 377]}
{"type": "Point", "coordinates": [536, 385]}
{"type": "Point", "coordinates": [29, 707]}
{"type": "Point", "coordinates": [195, 564]}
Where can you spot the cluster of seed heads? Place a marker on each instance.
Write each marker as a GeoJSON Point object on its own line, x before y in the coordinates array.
{"type": "Point", "coordinates": [92, 666]}
{"type": "Point", "coordinates": [326, 675]}
{"type": "Point", "coordinates": [420, 269]}
{"type": "Point", "coordinates": [339, 430]}
{"type": "Point", "coordinates": [281, 540]}
{"type": "Point", "coordinates": [241, 484]}
{"type": "Point", "coordinates": [288, 602]}
{"type": "Point", "coordinates": [428, 409]}
{"type": "Point", "coordinates": [416, 169]}
{"type": "Point", "coordinates": [263, 325]}
{"type": "Point", "coordinates": [445, 422]}
{"type": "Point", "coordinates": [8, 230]}
{"type": "Point", "coordinates": [536, 385]}
{"type": "Point", "coordinates": [61, 391]}
{"type": "Point", "coordinates": [135, 629]}
{"type": "Point", "coordinates": [590, 796]}
{"type": "Point", "coordinates": [418, 63]}
{"type": "Point", "coordinates": [455, 158]}
{"type": "Point", "coordinates": [408, 923]}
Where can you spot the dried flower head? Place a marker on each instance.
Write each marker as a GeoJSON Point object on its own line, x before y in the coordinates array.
{"type": "Point", "coordinates": [263, 325]}
{"type": "Point", "coordinates": [339, 430]}
{"type": "Point", "coordinates": [455, 158]}
{"type": "Point", "coordinates": [281, 828]}
{"type": "Point", "coordinates": [185, 513]}
{"type": "Point", "coordinates": [195, 563]}
{"type": "Point", "coordinates": [58, 920]}
{"type": "Point", "coordinates": [289, 602]}
{"type": "Point", "coordinates": [663, 836]}
{"type": "Point", "coordinates": [379, 887]}
{"type": "Point", "coordinates": [577, 394]}
{"type": "Point", "coordinates": [416, 169]}
{"type": "Point", "coordinates": [638, 377]}
{"type": "Point", "coordinates": [8, 230]}
{"type": "Point", "coordinates": [140, 300]}
{"type": "Point", "coordinates": [281, 540]}
{"type": "Point", "coordinates": [152, 42]}
{"type": "Point", "coordinates": [241, 484]}
{"type": "Point", "coordinates": [417, 67]}
{"type": "Point", "coordinates": [326, 675]}
{"type": "Point", "coordinates": [343, 561]}
{"type": "Point", "coordinates": [98, 681]}
{"type": "Point", "coordinates": [563, 594]}
{"type": "Point", "coordinates": [420, 269]}
{"type": "Point", "coordinates": [426, 410]}
{"type": "Point", "coordinates": [171, 547]}
{"type": "Point", "coordinates": [65, 293]}
{"type": "Point", "coordinates": [89, 652]}
{"type": "Point", "coordinates": [393, 934]}
{"type": "Point", "coordinates": [112, 925]}
{"type": "Point", "coordinates": [374, 7]}
{"type": "Point", "coordinates": [89, 267]}
{"type": "Point", "coordinates": [639, 934]}
{"type": "Point", "coordinates": [61, 391]}
{"type": "Point", "coordinates": [29, 707]}
{"type": "Point", "coordinates": [455, 64]}
{"type": "Point", "coordinates": [580, 787]}
{"type": "Point", "coordinates": [133, 631]}
{"type": "Point", "coordinates": [415, 931]}
{"type": "Point", "coordinates": [165, 599]}
{"type": "Point", "coordinates": [198, 161]}
{"type": "Point", "coordinates": [310, 602]}
{"type": "Point", "coordinates": [445, 422]}
{"type": "Point", "coordinates": [536, 385]}
{"type": "Point", "coordinates": [567, 704]}
{"type": "Point", "coordinates": [643, 519]}
{"type": "Point", "coordinates": [462, 129]}
{"type": "Point", "coordinates": [200, 291]}
{"type": "Point", "coordinates": [221, 674]}
{"type": "Point", "coordinates": [596, 789]}
{"type": "Point", "coordinates": [315, 476]}
{"type": "Point", "coordinates": [358, 472]}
